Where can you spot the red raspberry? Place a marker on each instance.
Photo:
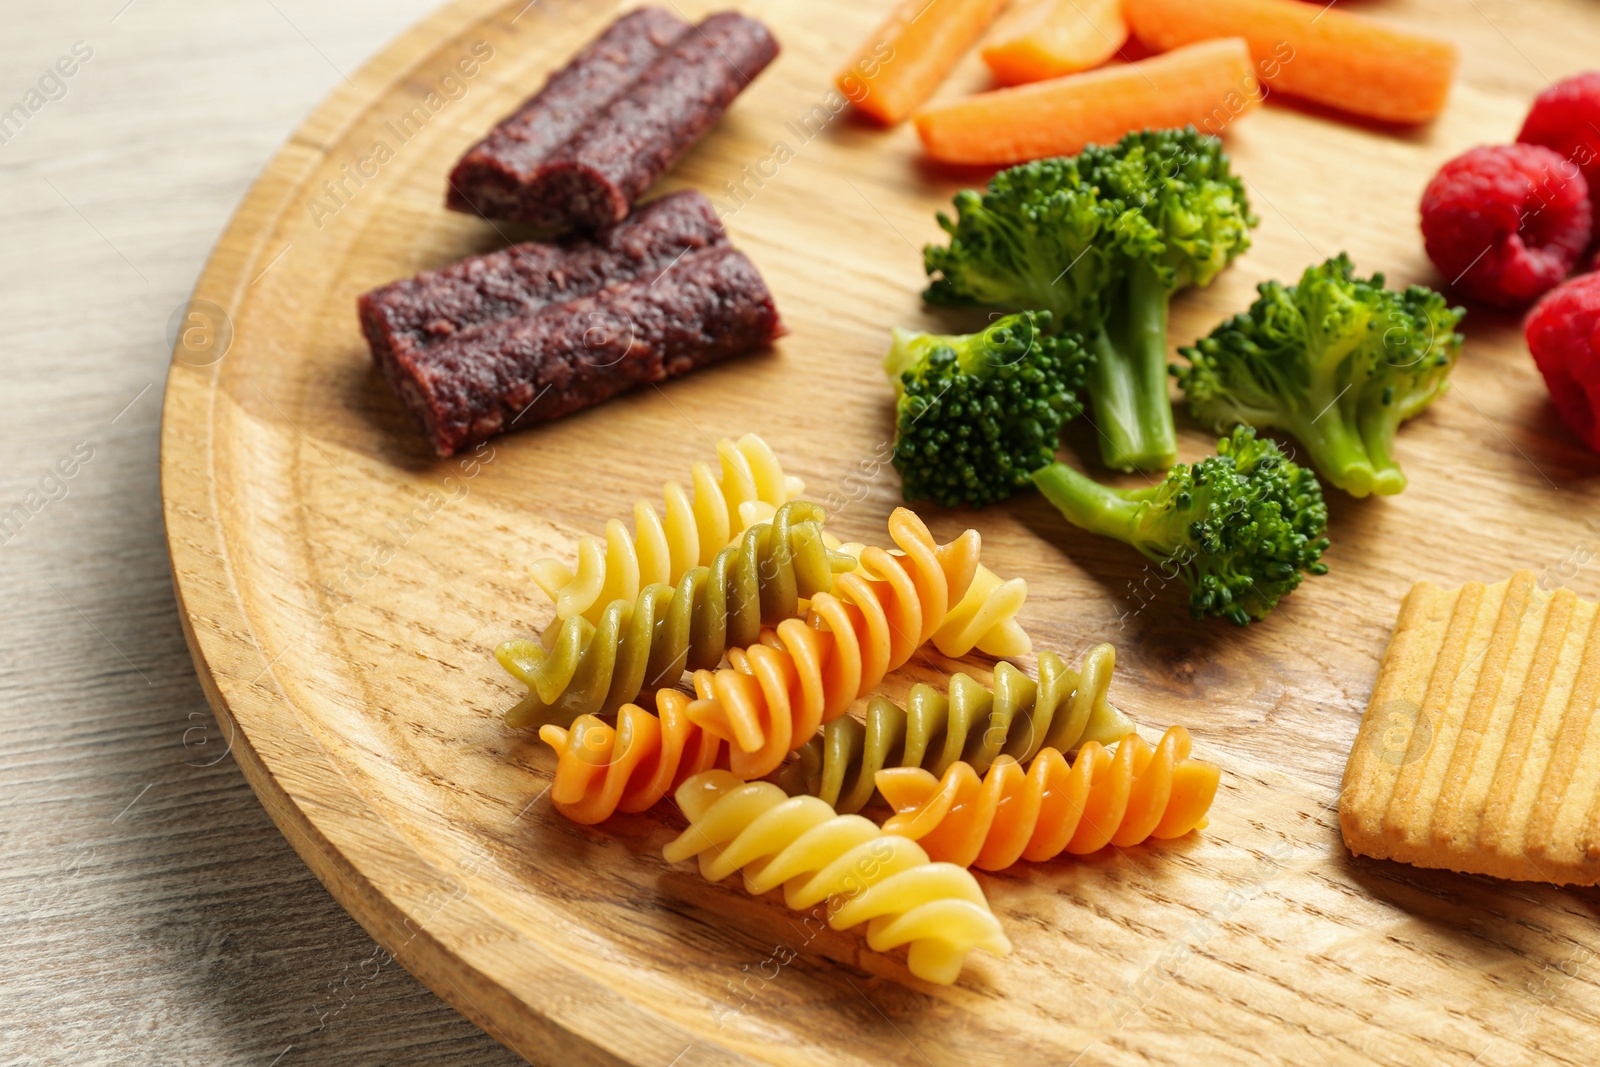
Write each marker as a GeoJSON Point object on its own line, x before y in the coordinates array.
{"type": "Point", "coordinates": [1505, 223]}
{"type": "Point", "coordinates": [1566, 118]}
{"type": "Point", "coordinates": [1563, 333]}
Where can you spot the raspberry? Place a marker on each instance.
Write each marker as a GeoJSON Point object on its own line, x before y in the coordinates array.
{"type": "Point", "coordinates": [1563, 333]}
{"type": "Point", "coordinates": [1506, 223]}
{"type": "Point", "coordinates": [1566, 119]}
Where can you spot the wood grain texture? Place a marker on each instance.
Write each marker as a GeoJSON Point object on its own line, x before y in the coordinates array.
{"type": "Point", "coordinates": [342, 589]}
{"type": "Point", "coordinates": [150, 912]}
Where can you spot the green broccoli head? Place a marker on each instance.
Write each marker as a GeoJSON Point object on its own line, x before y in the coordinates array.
{"type": "Point", "coordinates": [1181, 216]}
{"type": "Point", "coordinates": [977, 414]}
{"type": "Point", "coordinates": [1102, 240]}
{"type": "Point", "coordinates": [1420, 348]}
{"type": "Point", "coordinates": [1292, 341]}
{"type": "Point", "coordinates": [1180, 209]}
{"type": "Point", "coordinates": [1240, 528]}
{"type": "Point", "coordinates": [1032, 241]}
{"type": "Point", "coordinates": [1337, 361]}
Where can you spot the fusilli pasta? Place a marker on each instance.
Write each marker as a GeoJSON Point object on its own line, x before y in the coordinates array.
{"type": "Point", "coordinates": [602, 769]}
{"type": "Point", "coordinates": [749, 488]}
{"type": "Point", "coordinates": [1121, 796]}
{"type": "Point", "coordinates": [1064, 709]}
{"type": "Point", "coordinates": [777, 693]}
{"type": "Point", "coordinates": [986, 619]}
{"type": "Point", "coordinates": [585, 668]}
{"type": "Point", "coordinates": [841, 862]}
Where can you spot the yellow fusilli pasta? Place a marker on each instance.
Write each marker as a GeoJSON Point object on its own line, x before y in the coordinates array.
{"type": "Point", "coordinates": [986, 619]}
{"type": "Point", "coordinates": [808, 673]}
{"type": "Point", "coordinates": [1064, 709]}
{"type": "Point", "coordinates": [1122, 796]}
{"type": "Point", "coordinates": [585, 668]}
{"type": "Point", "coordinates": [842, 862]}
{"type": "Point", "coordinates": [749, 488]}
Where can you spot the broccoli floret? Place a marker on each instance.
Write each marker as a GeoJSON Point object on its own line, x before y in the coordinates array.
{"type": "Point", "coordinates": [1238, 528]}
{"type": "Point", "coordinates": [1035, 241]}
{"type": "Point", "coordinates": [1336, 361]}
{"type": "Point", "coordinates": [977, 414]}
{"type": "Point", "coordinates": [1181, 217]}
{"type": "Point", "coordinates": [1421, 346]}
{"type": "Point", "coordinates": [1102, 240]}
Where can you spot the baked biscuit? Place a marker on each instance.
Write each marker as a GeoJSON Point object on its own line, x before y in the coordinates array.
{"type": "Point", "coordinates": [1480, 750]}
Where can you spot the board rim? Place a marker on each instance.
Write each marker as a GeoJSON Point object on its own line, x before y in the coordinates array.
{"type": "Point", "coordinates": [197, 550]}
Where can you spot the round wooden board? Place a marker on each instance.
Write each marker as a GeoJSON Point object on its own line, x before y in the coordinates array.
{"type": "Point", "coordinates": [343, 589]}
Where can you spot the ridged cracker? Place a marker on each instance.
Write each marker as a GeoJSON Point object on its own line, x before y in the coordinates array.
{"type": "Point", "coordinates": [1480, 750]}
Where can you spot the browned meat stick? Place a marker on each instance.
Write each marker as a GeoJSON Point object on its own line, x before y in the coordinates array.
{"type": "Point", "coordinates": [709, 306]}
{"type": "Point", "coordinates": [597, 175]}
{"type": "Point", "coordinates": [491, 177]}
{"type": "Point", "coordinates": [406, 316]}
{"type": "Point", "coordinates": [592, 178]}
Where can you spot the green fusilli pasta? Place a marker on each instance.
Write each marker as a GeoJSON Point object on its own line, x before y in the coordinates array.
{"type": "Point", "coordinates": [585, 668]}
{"type": "Point", "coordinates": [1063, 710]}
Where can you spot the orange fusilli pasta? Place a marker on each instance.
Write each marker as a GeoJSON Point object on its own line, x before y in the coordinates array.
{"type": "Point", "coordinates": [1119, 796]}
{"type": "Point", "coordinates": [602, 769]}
{"type": "Point", "coordinates": [807, 672]}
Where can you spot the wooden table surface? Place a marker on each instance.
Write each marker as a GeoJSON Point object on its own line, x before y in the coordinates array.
{"type": "Point", "coordinates": [150, 913]}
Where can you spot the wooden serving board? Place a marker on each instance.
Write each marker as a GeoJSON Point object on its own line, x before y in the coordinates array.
{"type": "Point", "coordinates": [342, 591]}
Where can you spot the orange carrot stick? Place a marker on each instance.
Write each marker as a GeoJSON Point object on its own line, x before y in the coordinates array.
{"type": "Point", "coordinates": [901, 64]}
{"type": "Point", "coordinates": [1048, 38]}
{"type": "Point", "coordinates": [1349, 62]}
{"type": "Point", "coordinates": [1205, 85]}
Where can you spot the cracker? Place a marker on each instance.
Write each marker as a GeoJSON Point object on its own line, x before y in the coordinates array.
{"type": "Point", "coordinates": [1480, 748]}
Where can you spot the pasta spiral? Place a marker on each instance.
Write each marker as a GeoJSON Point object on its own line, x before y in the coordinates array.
{"type": "Point", "coordinates": [750, 487]}
{"type": "Point", "coordinates": [602, 769]}
{"type": "Point", "coordinates": [844, 862]}
{"type": "Point", "coordinates": [586, 668]}
{"type": "Point", "coordinates": [1120, 796]}
{"type": "Point", "coordinates": [1064, 709]}
{"type": "Point", "coordinates": [986, 619]}
{"type": "Point", "coordinates": [777, 693]}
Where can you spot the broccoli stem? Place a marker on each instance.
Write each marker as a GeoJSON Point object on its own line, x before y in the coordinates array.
{"type": "Point", "coordinates": [1129, 382]}
{"type": "Point", "coordinates": [1335, 446]}
{"type": "Point", "coordinates": [1089, 505]}
{"type": "Point", "coordinates": [1377, 434]}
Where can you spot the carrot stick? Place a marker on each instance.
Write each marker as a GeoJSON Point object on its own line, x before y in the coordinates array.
{"type": "Point", "coordinates": [1349, 62]}
{"type": "Point", "coordinates": [1048, 38]}
{"type": "Point", "coordinates": [901, 64]}
{"type": "Point", "coordinates": [1205, 85]}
